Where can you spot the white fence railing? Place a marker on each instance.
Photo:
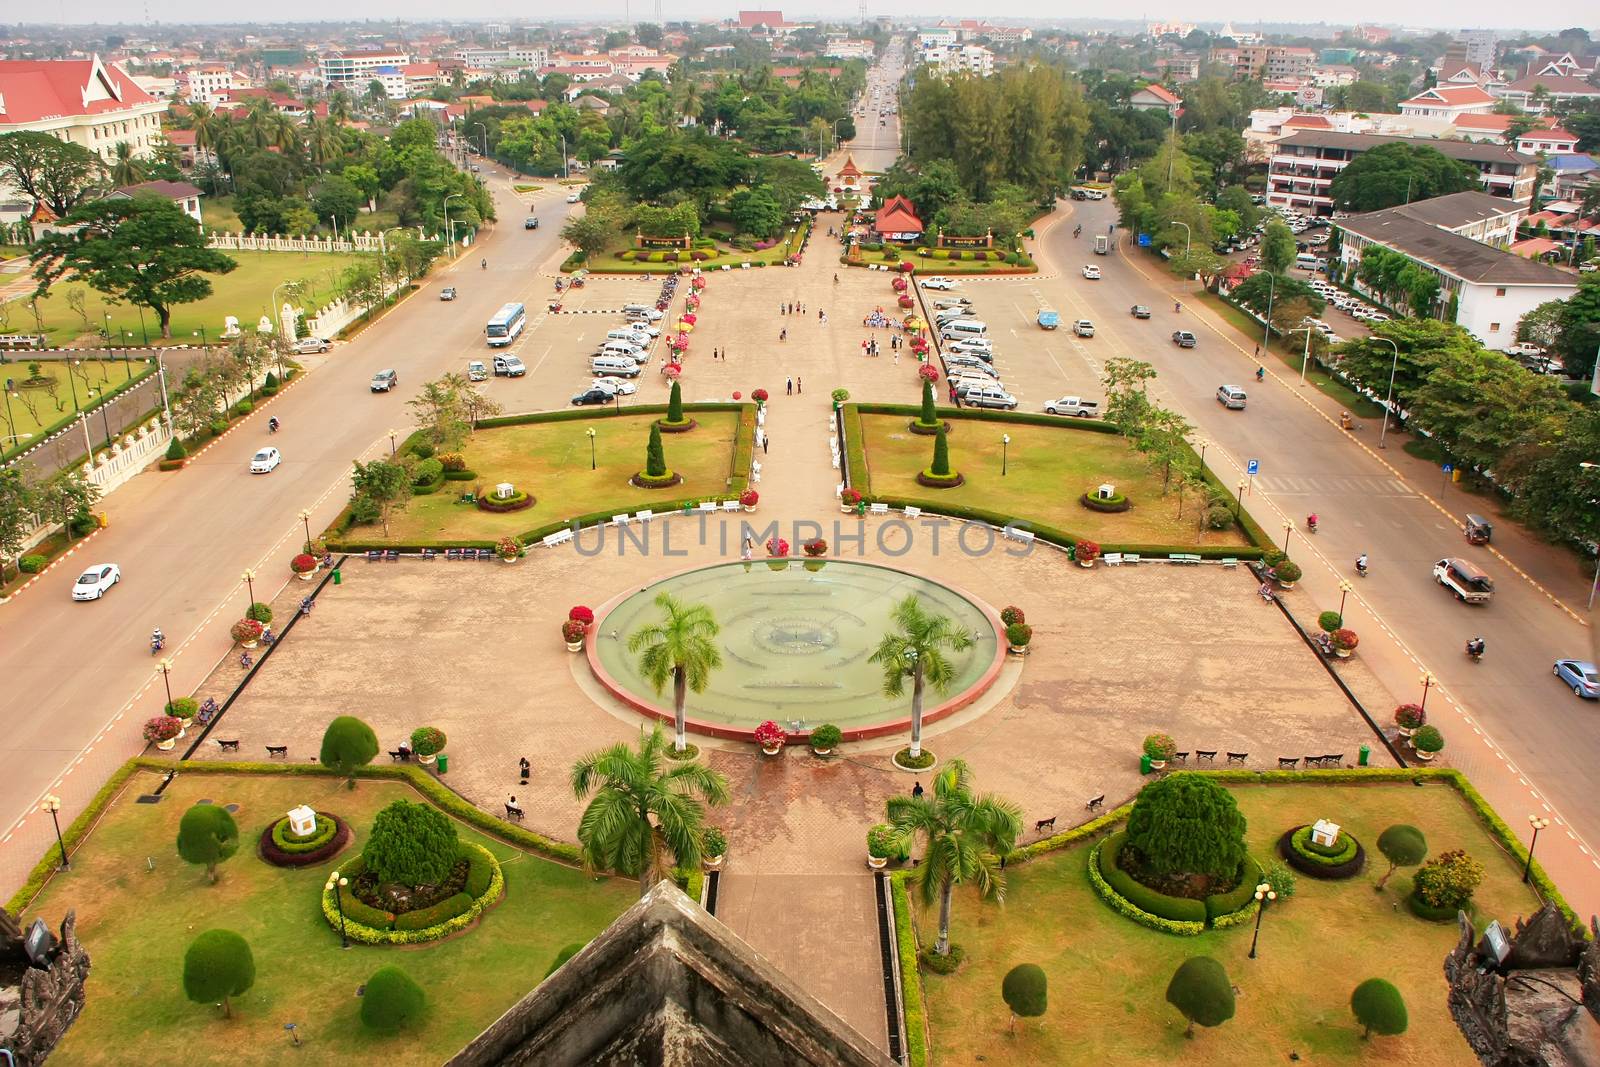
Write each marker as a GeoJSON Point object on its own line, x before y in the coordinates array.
{"type": "Point", "coordinates": [129, 455]}
{"type": "Point", "coordinates": [252, 242]}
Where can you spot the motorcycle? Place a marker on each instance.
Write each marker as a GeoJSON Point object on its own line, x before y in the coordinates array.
{"type": "Point", "coordinates": [1474, 651]}
{"type": "Point", "coordinates": [1311, 524]}
{"type": "Point", "coordinates": [1361, 568]}
{"type": "Point", "coordinates": [272, 424]}
{"type": "Point", "coordinates": [158, 641]}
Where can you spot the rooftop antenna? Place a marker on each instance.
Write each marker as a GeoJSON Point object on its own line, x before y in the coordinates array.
{"type": "Point", "coordinates": [659, 23]}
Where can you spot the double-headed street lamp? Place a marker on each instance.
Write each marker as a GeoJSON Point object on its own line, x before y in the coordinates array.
{"type": "Point", "coordinates": [165, 669]}
{"type": "Point", "coordinates": [1238, 503]}
{"type": "Point", "coordinates": [1344, 591]}
{"type": "Point", "coordinates": [249, 580]}
{"type": "Point", "coordinates": [338, 884]}
{"type": "Point", "coordinates": [1427, 681]}
{"type": "Point", "coordinates": [1264, 895]}
{"type": "Point", "coordinates": [592, 461]}
{"type": "Point", "coordinates": [449, 223]}
{"type": "Point", "coordinates": [391, 446]}
{"type": "Point", "coordinates": [52, 804]}
{"type": "Point", "coordinates": [1005, 448]}
{"type": "Point", "coordinates": [1538, 822]}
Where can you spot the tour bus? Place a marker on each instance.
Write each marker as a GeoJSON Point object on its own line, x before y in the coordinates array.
{"type": "Point", "coordinates": [506, 324]}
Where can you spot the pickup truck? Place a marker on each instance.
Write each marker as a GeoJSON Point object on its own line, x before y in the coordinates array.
{"type": "Point", "coordinates": [1048, 320]}
{"type": "Point", "coordinates": [1465, 580]}
{"type": "Point", "coordinates": [1074, 406]}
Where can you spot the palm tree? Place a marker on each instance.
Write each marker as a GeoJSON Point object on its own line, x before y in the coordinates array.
{"type": "Point", "coordinates": [916, 651]}
{"type": "Point", "coordinates": [257, 122]}
{"type": "Point", "coordinates": [966, 836]}
{"type": "Point", "coordinates": [680, 648]}
{"type": "Point", "coordinates": [323, 144]}
{"type": "Point", "coordinates": [206, 125]}
{"type": "Point", "coordinates": [339, 106]}
{"type": "Point", "coordinates": [690, 99]}
{"type": "Point", "coordinates": [284, 132]}
{"type": "Point", "coordinates": [125, 169]}
{"type": "Point", "coordinates": [643, 820]}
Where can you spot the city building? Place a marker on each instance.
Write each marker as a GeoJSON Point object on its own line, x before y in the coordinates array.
{"type": "Point", "coordinates": [1155, 98]}
{"type": "Point", "coordinates": [897, 220]}
{"type": "Point", "coordinates": [960, 59]}
{"type": "Point", "coordinates": [200, 84]}
{"type": "Point", "coordinates": [1552, 141]}
{"type": "Point", "coordinates": [763, 23]}
{"type": "Point", "coordinates": [421, 77]}
{"type": "Point", "coordinates": [1490, 288]}
{"type": "Point", "coordinates": [84, 101]}
{"type": "Point", "coordinates": [1477, 47]}
{"type": "Point", "coordinates": [1304, 164]}
{"type": "Point", "coordinates": [353, 71]}
{"type": "Point", "coordinates": [183, 194]}
{"type": "Point", "coordinates": [1448, 102]}
{"type": "Point", "coordinates": [1289, 64]}
{"type": "Point", "coordinates": [1538, 92]}
{"type": "Point", "coordinates": [841, 47]}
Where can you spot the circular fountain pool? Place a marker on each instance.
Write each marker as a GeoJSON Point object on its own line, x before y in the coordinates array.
{"type": "Point", "coordinates": [794, 644]}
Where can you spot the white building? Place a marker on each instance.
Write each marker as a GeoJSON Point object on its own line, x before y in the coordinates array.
{"type": "Point", "coordinates": [516, 55]}
{"type": "Point", "coordinates": [1479, 47]}
{"type": "Point", "coordinates": [1448, 102]}
{"type": "Point", "coordinates": [944, 35]}
{"type": "Point", "coordinates": [83, 101]}
{"type": "Point", "coordinates": [201, 84]}
{"type": "Point", "coordinates": [353, 70]}
{"type": "Point", "coordinates": [960, 59]}
{"type": "Point", "coordinates": [848, 48]}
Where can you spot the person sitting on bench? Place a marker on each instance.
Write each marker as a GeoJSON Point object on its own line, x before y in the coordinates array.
{"type": "Point", "coordinates": [404, 751]}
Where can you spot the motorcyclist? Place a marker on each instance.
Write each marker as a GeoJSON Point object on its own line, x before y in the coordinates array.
{"type": "Point", "coordinates": [1311, 522]}
{"type": "Point", "coordinates": [1261, 374]}
{"type": "Point", "coordinates": [272, 424]}
{"type": "Point", "coordinates": [1475, 647]}
{"type": "Point", "coordinates": [158, 640]}
{"type": "Point", "coordinates": [1361, 564]}
{"type": "Point", "coordinates": [484, 263]}
{"type": "Point", "coordinates": [1177, 306]}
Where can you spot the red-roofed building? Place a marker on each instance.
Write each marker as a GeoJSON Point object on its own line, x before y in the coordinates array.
{"type": "Point", "coordinates": [83, 101]}
{"type": "Point", "coordinates": [1154, 97]}
{"type": "Point", "coordinates": [762, 23]}
{"type": "Point", "coordinates": [1448, 101]}
{"type": "Point", "coordinates": [1553, 141]}
{"type": "Point", "coordinates": [897, 220]}
{"type": "Point", "coordinates": [1306, 122]}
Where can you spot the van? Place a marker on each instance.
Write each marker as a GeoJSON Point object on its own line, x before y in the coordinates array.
{"type": "Point", "coordinates": [1307, 261]}
{"type": "Point", "coordinates": [627, 349]}
{"type": "Point", "coordinates": [641, 311]}
{"type": "Point", "coordinates": [634, 337]}
{"type": "Point", "coordinates": [509, 367]}
{"type": "Point", "coordinates": [961, 329]}
{"type": "Point", "coordinates": [950, 315]}
{"type": "Point", "coordinates": [619, 365]}
{"type": "Point", "coordinates": [1464, 579]}
{"type": "Point", "coordinates": [992, 396]}
{"type": "Point", "coordinates": [1231, 396]}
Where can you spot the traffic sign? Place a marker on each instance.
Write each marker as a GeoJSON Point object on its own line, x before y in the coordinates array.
{"type": "Point", "coordinates": [1253, 467]}
{"type": "Point", "coordinates": [1447, 468]}
{"type": "Point", "coordinates": [1144, 240]}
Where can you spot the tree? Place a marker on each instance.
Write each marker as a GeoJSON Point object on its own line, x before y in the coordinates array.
{"type": "Point", "coordinates": [655, 458]}
{"type": "Point", "coordinates": [69, 495]}
{"type": "Point", "coordinates": [207, 835]}
{"type": "Point", "coordinates": [927, 417]}
{"type": "Point", "coordinates": [592, 232]}
{"type": "Point", "coordinates": [916, 650]}
{"type": "Point", "coordinates": [1127, 403]}
{"type": "Point", "coordinates": [642, 820]}
{"type": "Point", "coordinates": [1201, 991]}
{"type": "Point", "coordinates": [59, 174]}
{"type": "Point", "coordinates": [145, 251]}
{"type": "Point", "coordinates": [391, 1000]}
{"type": "Point", "coordinates": [16, 515]}
{"type": "Point", "coordinates": [966, 837]}
{"type": "Point", "coordinates": [125, 167]}
{"type": "Point", "coordinates": [1402, 846]}
{"type": "Point", "coordinates": [940, 467]}
{"type": "Point", "coordinates": [439, 411]}
{"type": "Point", "coordinates": [218, 965]}
{"type": "Point", "coordinates": [675, 405]}
{"type": "Point", "coordinates": [1399, 173]}
{"type": "Point", "coordinates": [386, 485]}
{"type": "Point", "coordinates": [756, 212]}
{"type": "Point", "coordinates": [348, 744]}
{"type": "Point", "coordinates": [1187, 824]}
{"type": "Point", "coordinates": [337, 199]}
{"type": "Point", "coordinates": [1448, 880]}
{"type": "Point", "coordinates": [1024, 991]}
{"type": "Point", "coordinates": [681, 649]}
{"type": "Point", "coordinates": [1580, 327]}
{"type": "Point", "coordinates": [1378, 1006]}
{"type": "Point", "coordinates": [411, 845]}
{"type": "Point", "coordinates": [1277, 248]}
{"type": "Point", "coordinates": [1367, 96]}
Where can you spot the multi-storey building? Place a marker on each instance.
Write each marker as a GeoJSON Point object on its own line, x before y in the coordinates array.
{"type": "Point", "coordinates": [84, 101]}
{"type": "Point", "coordinates": [960, 59]}
{"type": "Point", "coordinates": [1289, 64]}
{"type": "Point", "coordinates": [202, 83]}
{"type": "Point", "coordinates": [1448, 102]}
{"type": "Point", "coordinates": [1304, 164]}
{"type": "Point", "coordinates": [354, 70]}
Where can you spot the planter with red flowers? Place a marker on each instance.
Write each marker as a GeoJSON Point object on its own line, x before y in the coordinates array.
{"type": "Point", "coordinates": [928, 372]}
{"type": "Point", "coordinates": [770, 736]}
{"type": "Point", "coordinates": [749, 499]}
{"type": "Point", "coordinates": [760, 397]}
{"type": "Point", "coordinates": [509, 549]}
{"type": "Point", "coordinates": [580, 613]}
{"type": "Point", "coordinates": [427, 742]}
{"type": "Point", "coordinates": [246, 632]}
{"type": "Point", "coordinates": [850, 501]}
{"type": "Point", "coordinates": [572, 632]}
{"type": "Point", "coordinates": [815, 550]}
{"type": "Point", "coordinates": [778, 554]}
{"type": "Point", "coordinates": [304, 566]}
{"type": "Point", "coordinates": [1086, 552]}
{"type": "Point", "coordinates": [163, 732]}
{"type": "Point", "coordinates": [1344, 642]}
{"type": "Point", "coordinates": [905, 301]}
{"type": "Point", "coordinates": [1410, 718]}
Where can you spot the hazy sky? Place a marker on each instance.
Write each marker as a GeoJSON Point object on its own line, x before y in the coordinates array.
{"type": "Point", "coordinates": [1440, 14]}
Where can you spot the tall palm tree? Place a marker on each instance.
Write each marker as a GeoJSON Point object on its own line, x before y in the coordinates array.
{"type": "Point", "coordinates": [340, 105]}
{"type": "Point", "coordinates": [643, 819]}
{"type": "Point", "coordinates": [207, 127]}
{"type": "Point", "coordinates": [691, 99]}
{"type": "Point", "coordinates": [284, 132]}
{"type": "Point", "coordinates": [681, 649]}
{"type": "Point", "coordinates": [125, 168]}
{"type": "Point", "coordinates": [966, 837]}
{"type": "Point", "coordinates": [323, 144]}
{"type": "Point", "coordinates": [257, 122]}
{"type": "Point", "coordinates": [917, 651]}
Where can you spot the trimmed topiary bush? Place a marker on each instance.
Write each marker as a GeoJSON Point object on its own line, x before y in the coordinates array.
{"type": "Point", "coordinates": [1378, 1006]}
{"type": "Point", "coordinates": [1402, 846]}
{"type": "Point", "coordinates": [1187, 824]}
{"type": "Point", "coordinates": [32, 564]}
{"type": "Point", "coordinates": [411, 844]}
{"type": "Point", "coordinates": [1201, 991]}
{"type": "Point", "coordinates": [176, 451]}
{"type": "Point", "coordinates": [207, 835]}
{"type": "Point", "coordinates": [1024, 989]}
{"type": "Point", "coordinates": [217, 966]}
{"type": "Point", "coordinates": [348, 744]}
{"type": "Point", "coordinates": [826, 736]}
{"type": "Point", "coordinates": [392, 999]}
{"type": "Point", "coordinates": [1448, 880]}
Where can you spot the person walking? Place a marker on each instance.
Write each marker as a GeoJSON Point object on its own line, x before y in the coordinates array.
{"type": "Point", "coordinates": [897, 357]}
{"type": "Point", "coordinates": [748, 549]}
{"type": "Point", "coordinates": [799, 386]}
{"type": "Point", "coordinates": [788, 387]}
{"type": "Point", "coordinates": [917, 790]}
{"type": "Point", "coordinates": [764, 439]}
{"type": "Point", "coordinates": [783, 335]}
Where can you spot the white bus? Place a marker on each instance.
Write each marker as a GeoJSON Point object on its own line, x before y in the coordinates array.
{"type": "Point", "coordinates": [506, 324]}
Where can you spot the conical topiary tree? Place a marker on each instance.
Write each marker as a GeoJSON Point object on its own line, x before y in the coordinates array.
{"type": "Point", "coordinates": [655, 457]}
{"type": "Point", "coordinates": [1187, 824]}
{"type": "Point", "coordinates": [675, 406]}
{"type": "Point", "coordinates": [1379, 1007]}
{"type": "Point", "coordinates": [207, 835]}
{"type": "Point", "coordinates": [1023, 990]}
{"type": "Point", "coordinates": [218, 965]}
{"type": "Point", "coordinates": [392, 999]}
{"type": "Point", "coordinates": [941, 455]}
{"type": "Point", "coordinates": [175, 450]}
{"type": "Point", "coordinates": [1402, 846]}
{"type": "Point", "coordinates": [928, 417]}
{"type": "Point", "coordinates": [348, 744]}
{"type": "Point", "coordinates": [1201, 991]}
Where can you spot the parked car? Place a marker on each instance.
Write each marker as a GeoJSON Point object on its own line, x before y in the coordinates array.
{"type": "Point", "coordinates": [939, 282]}
{"type": "Point", "coordinates": [1074, 406]}
{"type": "Point", "coordinates": [951, 302]}
{"type": "Point", "coordinates": [1463, 578]}
{"type": "Point", "coordinates": [574, 197]}
{"type": "Point", "coordinates": [384, 381]}
{"type": "Point", "coordinates": [970, 364]}
{"type": "Point", "coordinates": [447, 293]}
{"type": "Point", "coordinates": [594, 395]}
{"type": "Point", "coordinates": [1139, 311]}
{"type": "Point", "coordinates": [991, 396]}
{"type": "Point", "coordinates": [1183, 339]}
{"type": "Point", "coordinates": [530, 223]}
{"type": "Point", "coordinates": [93, 583]}
{"type": "Point", "coordinates": [1580, 676]}
{"type": "Point", "coordinates": [1092, 273]}
{"type": "Point", "coordinates": [265, 461]}
{"type": "Point", "coordinates": [617, 385]}
{"type": "Point", "coordinates": [508, 367]}
{"type": "Point", "coordinates": [477, 372]}
{"type": "Point", "coordinates": [978, 348]}
{"type": "Point", "coordinates": [1524, 348]}
{"type": "Point", "coordinates": [1083, 328]}
{"type": "Point", "coordinates": [311, 344]}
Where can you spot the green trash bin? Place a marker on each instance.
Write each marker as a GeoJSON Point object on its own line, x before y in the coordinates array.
{"type": "Point", "coordinates": [444, 763]}
{"type": "Point", "coordinates": [1144, 764]}
{"type": "Point", "coordinates": [336, 577]}
{"type": "Point", "coordinates": [1366, 750]}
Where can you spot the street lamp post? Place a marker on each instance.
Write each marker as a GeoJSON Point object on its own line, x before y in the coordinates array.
{"type": "Point", "coordinates": [1266, 327]}
{"type": "Point", "coordinates": [1288, 531]}
{"type": "Point", "coordinates": [1005, 448]}
{"type": "Point", "coordinates": [165, 668]}
{"type": "Point", "coordinates": [449, 223]}
{"type": "Point", "coordinates": [1238, 503]}
{"type": "Point", "coordinates": [249, 580]}
{"type": "Point", "coordinates": [1188, 234]}
{"type": "Point", "coordinates": [1305, 358]}
{"type": "Point", "coordinates": [201, 333]}
{"type": "Point", "coordinates": [305, 520]}
{"type": "Point", "coordinates": [52, 804]}
{"type": "Point", "coordinates": [1427, 681]}
{"type": "Point", "coordinates": [72, 378]}
{"type": "Point", "coordinates": [1344, 591]}
{"type": "Point", "coordinates": [1388, 399]}
{"type": "Point", "coordinates": [104, 420]}
{"type": "Point", "coordinates": [1203, 444]}
{"type": "Point", "coordinates": [1264, 895]}
{"type": "Point", "coordinates": [485, 130]}
{"type": "Point", "coordinates": [592, 460]}
{"type": "Point", "coordinates": [10, 421]}
{"type": "Point", "coordinates": [337, 884]}
{"type": "Point", "coordinates": [1538, 823]}
{"type": "Point", "coordinates": [391, 450]}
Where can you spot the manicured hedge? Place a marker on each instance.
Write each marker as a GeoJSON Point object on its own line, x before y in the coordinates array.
{"type": "Point", "coordinates": [326, 826]}
{"type": "Point", "coordinates": [905, 938]}
{"type": "Point", "coordinates": [376, 934]}
{"type": "Point", "coordinates": [1240, 896]}
{"type": "Point", "coordinates": [1128, 909]}
{"type": "Point", "coordinates": [330, 844]}
{"type": "Point", "coordinates": [1176, 909]}
{"type": "Point", "coordinates": [1423, 910]}
{"type": "Point", "coordinates": [1329, 855]}
{"type": "Point", "coordinates": [1296, 847]}
{"type": "Point", "coordinates": [423, 918]}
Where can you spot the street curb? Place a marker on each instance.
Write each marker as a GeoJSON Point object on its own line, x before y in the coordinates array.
{"type": "Point", "coordinates": [284, 388]}
{"type": "Point", "coordinates": [69, 553]}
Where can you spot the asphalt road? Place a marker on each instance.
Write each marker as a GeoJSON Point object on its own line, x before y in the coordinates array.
{"type": "Point", "coordinates": [79, 677]}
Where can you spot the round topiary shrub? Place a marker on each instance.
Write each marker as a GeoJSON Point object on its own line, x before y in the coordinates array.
{"type": "Point", "coordinates": [1114, 503]}
{"type": "Point", "coordinates": [1185, 831]}
{"type": "Point", "coordinates": [391, 1001]}
{"type": "Point", "coordinates": [826, 737]}
{"type": "Point", "coordinates": [517, 501]}
{"type": "Point", "coordinates": [411, 845]}
{"type": "Point", "coordinates": [1024, 991]}
{"type": "Point", "coordinates": [1344, 860]}
{"type": "Point", "coordinates": [1378, 1006]}
{"type": "Point", "coordinates": [1201, 991]}
{"type": "Point", "coordinates": [207, 835]}
{"type": "Point", "coordinates": [218, 965]}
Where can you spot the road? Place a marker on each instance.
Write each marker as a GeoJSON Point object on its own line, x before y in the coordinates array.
{"type": "Point", "coordinates": [1529, 743]}
{"type": "Point", "coordinates": [80, 679]}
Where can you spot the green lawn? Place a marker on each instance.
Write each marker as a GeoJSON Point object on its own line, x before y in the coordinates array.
{"type": "Point", "coordinates": [609, 263]}
{"type": "Point", "coordinates": [551, 461]}
{"type": "Point", "coordinates": [136, 923]}
{"type": "Point", "coordinates": [927, 265]}
{"type": "Point", "coordinates": [37, 411]}
{"type": "Point", "coordinates": [1047, 470]}
{"type": "Point", "coordinates": [1108, 976]}
{"type": "Point", "coordinates": [245, 293]}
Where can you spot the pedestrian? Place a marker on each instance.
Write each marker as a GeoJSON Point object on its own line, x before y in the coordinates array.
{"type": "Point", "coordinates": [824, 315]}
{"type": "Point", "coordinates": [783, 335]}
{"type": "Point", "coordinates": [897, 357]}
{"type": "Point", "coordinates": [747, 549]}
{"type": "Point", "coordinates": [783, 309]}
{"type": "Point", "coordinates": [764, 439]}
{"type": "Point", "coordinates": [866, 347]}
{"type": "Point", "coordinates": [799, 386]}
{"type": "Point", "coordinates": [1258, 350]}
{"type": "Point", "coordinates": [788, 387]}
{"type": "Point", "coordinates": [523, 766]}
{"type": "Point", "coordinates": [819, 315]}
{"type": "Point", "coordinates": [917, 790]}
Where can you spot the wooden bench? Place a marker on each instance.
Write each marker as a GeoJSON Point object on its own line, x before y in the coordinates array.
{"type": "Point", "coordinates": [514, 814]}
{"type": "Point", "coordinates": [400, 755]}
{"type": "Point", "coordinates": [1238, 757]}
{"type": "Point", "coordinates": [392, 556]}
{"type": "Point", "coordinates": [1202, 756]}
{"type": "Point", "coordinates": [1113, 559]}
{"type": "Point", "coordinates": [1042, 825]}
{"type": "Point", "coordinates": [1288, 763]}
{"type": "Point", "coordinates": [1095, 803]}
{"type": "Point", "coordinates": [451, 554]}
{"type": "Point", "coordinates": [429, 553]}
{"type": "Point", "coordinates": [1178, 757]}
{"type": "Point", "coordinates": [278, 751]}
{"type": "Point", "coordinates": [374, 555]}
{"type": "Point", "coordinates": [228, 746]}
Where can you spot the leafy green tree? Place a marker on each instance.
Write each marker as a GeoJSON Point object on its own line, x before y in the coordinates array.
{"type": "Point", "coordinates": [756, 212]}
{"type": "Point", "coordinates": [966, 836]}
{"type": "Point", "coordinates": [337, 199]}
{"type": "Point", "coordinates": [1367, 97]}
{"type": "Point", "coordinates": [1399, 173]}
{"type": "Point", "coordinates": [1402, 846]}
{"type": "Point", "coordinates": [145, 251]}
{"type": "Point", "coordinates": [916, 649]}
{"type": "Point", "coordinates": [125, 168]}
{"type": "Point", "coordinates": [928, 416]}
{"type": "Point", "coordinates": [392, 999]}
{"type": "Point", "coordinates": [207, 835]}
{"type": "Point", "coordinates": [592, 232]}
{"type": "Point", "coordinates": [348, 744]}
{"type": "Point", "coordinates": [675, 405]}
{"type": "Point", "coordinates": [941, 454]}
{"type": "Point", "coordinates": [1277, 248]}
{"type": "Point", "coordinates": [59, 174]}
{"type": "Point", "coordinates": [218, 966]}
{"type": "Point", "coordinates": [655, 457]}
{"type": "Point", "coordinates": [411, 845]}
{"type": "Point", "coordinates": [385, 485]}
{"type": "Point", "coordinates": [1580, 327]}
{"type": "Point", "coordinates": [681, 649]}
{"type": "Point", "coordinates": [1448, 880]}
{"type": "Point", "coordinates": [1024, 991]}
{"type": "Point", "coordinates": [16, 515]}
{"type": "Point", "coordinates": [644, 817]}
{"type": "Point", "coordinates": [1201, 991]}
{"type": "Point", "coordinates": [1378, 1006]}
{"type": "Point", "coordinates": [1187, 824]}
{"type": "Point", "coordinates": [1127, 402]}
{"type": "Point", "coordinates": [791, 182]}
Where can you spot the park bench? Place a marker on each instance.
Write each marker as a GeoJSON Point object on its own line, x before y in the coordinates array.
{"type": "Point", "coordinates": [706, 505]}
{"type": "Point", "coordinates": [452, 554]}
{"type": "Point", "coordinates": [514, 814]}
{"type": "Point", "coordinates": [1011, 533]}
{"type": "Point", "coordinates": [1044, 824]}
{"type": "Point", "coordinates": [913, 513]}
{"type": "Point", "coordinates": [1202, 756]}
{"type": "Point", "coordinates": [879, 509]}
{"type": "Point", "coordinates": [392, 556]}
{"type": "Point", "coordinates": [400, 755]}
{"type": "Point", "coordinates": [1095, 803]}
{"type": "Point", "coordinates": [1178, 757]}
{"type": "Point", "coordinates": [1183, 557]}
{"type": "Point", "coordinates": [278, 751]}
{"type": "Point", "coordinates": [730, 505]}
{"type": "Point", "coordinates": [644, 516]}
{"type": "Point", "coordinates": [1288, 763]}
{"type": "Point", "coordinates": [621, 520]}
{"type": "Point", "coordinates": [1113, 559]}
{"type": "Point", "coordinates": [1130, 557]}
{"type": "Point", "coordinates": [429, 553]}
{"type": "Point", "coordinates": [374, 555]}
{"type": "Point", "coordinates": [560, 537]}
{"type": "Point", "coordinates": [1238, 757]}
{"type": "Point", "coordinates": [228, 746]}
{"type": "Point", "coordinates": [1230, 561]}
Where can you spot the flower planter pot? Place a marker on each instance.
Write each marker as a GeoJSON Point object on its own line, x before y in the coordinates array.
{"type": "Point", "coordinates": [1158, 765]}
{"type": "Point", "coordinates": [821, 751]}
{"type": "Point", "coordinates": [508, 559]}
{"type": "Point", "coordinates": [1424, 756]}
{"type": "Point", "coordinates": [427, 761]}
{"type": "Point", "coordinates": [252, 644]}
{"type": "Point", "coordinates": [1342, 653]}
{"type": "Point", "coordinates": [167, 746]}
{"type": "Point", "coordinates": [1285, 585]}
{"type": "Point", "coordinates": [711, 863]}
{"type": "Point", "coordinates": [1086, 564]}
{"type": "Point", "coordinates": [877, 863]}
{"type": "Point", "coordinates": [574, 646]}
{"type": "Point", "coordinates": [307, 575]}
{"type": "Point", "coordinates": [748, 508]}
{"type": "Point", "coordinates": [184, 724]}
{"type": "Point", "coordinates": [771, 750]}
{"type": "Point", "coordinates": [1017, 650]}
{"type": "Point", "coordinates": [1406, 731]}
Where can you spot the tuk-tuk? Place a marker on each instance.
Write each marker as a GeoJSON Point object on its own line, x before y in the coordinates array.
{"type": "Point", "coordinates": [1479, 530]}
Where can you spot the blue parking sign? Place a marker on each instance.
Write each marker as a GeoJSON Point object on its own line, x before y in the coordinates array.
{"type": "Point", "coordinates": [1144, 240]}
{"type": "Point", "coordinates": [1253, 467]}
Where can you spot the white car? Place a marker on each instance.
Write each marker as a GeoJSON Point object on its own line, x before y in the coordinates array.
{"type": "Point", "coordinates": [1092, 273]}
{"type": "Point", "coordinates": [939, 283]}
{"type": "Point", "coordinates": [616, 385]}
{"type": "Point", "coordinates": [1524, 348]}
{"type": "Point", "coordinates": [1083, 328]}
{"type": "Point", "coordinates": [649, 329]}
{"type": "Point", "coordinates": [573, 198]}
{"type": "Point", "coordinates": [265, 461]}
{"type": "Point", "coordinates": [93, 583]}
{"type": "Point", "coordinates": [312, 344]}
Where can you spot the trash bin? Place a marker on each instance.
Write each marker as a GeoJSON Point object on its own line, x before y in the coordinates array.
{"type": "Point", "coordinates": [1144, 764]}
{"type": "Point", "coordinates": [336, 576]}
{"type": "Point", "coordinates": [1366, 750]}
{"type": "Point", "coordinates": [444, 761]}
